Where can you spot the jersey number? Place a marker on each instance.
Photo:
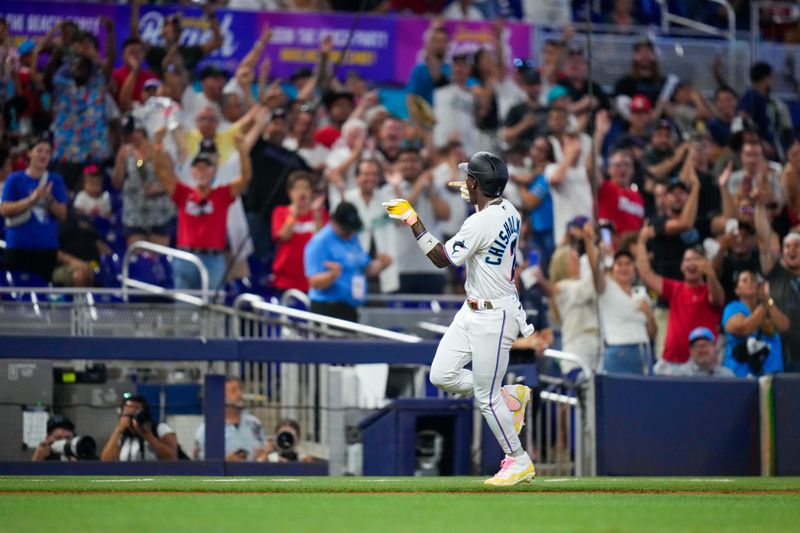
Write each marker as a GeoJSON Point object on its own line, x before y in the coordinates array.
{"type": "Point", "coordinates": [513, 253]}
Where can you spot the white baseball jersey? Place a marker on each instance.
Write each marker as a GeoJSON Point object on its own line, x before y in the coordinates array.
{"type": "Point", "coordinates": [487, 243]}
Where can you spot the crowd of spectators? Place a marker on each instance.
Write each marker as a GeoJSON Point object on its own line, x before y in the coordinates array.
{"type": "Point", "coordinates": [697, 196]}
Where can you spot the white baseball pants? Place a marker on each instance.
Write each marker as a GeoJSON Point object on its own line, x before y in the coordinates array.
{"type": "Point", "coordinates": [483, 338]}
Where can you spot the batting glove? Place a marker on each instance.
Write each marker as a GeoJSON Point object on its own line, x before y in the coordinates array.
{"type": "Point", "coordinates": [400, 209]}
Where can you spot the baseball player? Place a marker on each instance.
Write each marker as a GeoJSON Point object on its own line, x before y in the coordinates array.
{"type": "Point", "coordinates": [491, 317]}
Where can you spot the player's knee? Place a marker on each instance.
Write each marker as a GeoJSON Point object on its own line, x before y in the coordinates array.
{"type": "Point", "coordinates": [484, 397]}
{"type": "Point", "coordinates": [440, 378]}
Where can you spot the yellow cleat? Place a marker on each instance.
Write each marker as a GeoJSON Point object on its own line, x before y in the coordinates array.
{"type": "Point", "coordinates": [513, 472]}
{"type": "Point", "coordinates": [517, 398]}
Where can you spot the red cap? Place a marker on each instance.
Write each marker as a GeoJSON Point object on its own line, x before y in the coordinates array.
{"type": "Point", "coordinates": [640, 104]}
{"type": "Point", "coordinates": [327, 136]}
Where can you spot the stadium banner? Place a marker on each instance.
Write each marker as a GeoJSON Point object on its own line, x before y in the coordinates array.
{"type": "Point", "coordinates": [32, 20]}
{"type": "Point", "coordinates": [296, 39]}
{"type": "Point", "coordinates": [466, 35]}
{"type": "Point", "coordinates": [382, 49]}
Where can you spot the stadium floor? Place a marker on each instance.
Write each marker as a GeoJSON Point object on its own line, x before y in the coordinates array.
{"type": "Point", "coordinates": [397, 504]}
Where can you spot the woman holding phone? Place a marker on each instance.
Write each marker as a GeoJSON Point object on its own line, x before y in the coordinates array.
{"type": "Point", "coordinates": [626, 319]}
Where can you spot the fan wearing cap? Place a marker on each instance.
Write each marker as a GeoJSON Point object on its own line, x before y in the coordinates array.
{"type": "Point", "coordinates": [662, 158]}
{"type": "Point", "coordinates": [703, 359]}
{"type": "Point", "coordinates": [58, 427]}
{"type": "Point", "coordinates": [337, 266]}
{"type": "Point", "coordinates": [753, 317]}
{"type": "Point", "coordinates": [31, 116]}
{"type": "Point", "coordinates": [782, 271]}
{"type": "Point", "coordinates": [640, 120]}
{"type": "Point", "coordinates": [202, 212]}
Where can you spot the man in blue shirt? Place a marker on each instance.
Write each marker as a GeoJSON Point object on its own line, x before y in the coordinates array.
{"type": "Point", "coordinates": [433, 72]}
{"type": "Point", "coordinates": [538, 200]}
{"type": "Point", "coordinates": [34, 201]}
{"type": "Point", "coordinates": [337, 266]}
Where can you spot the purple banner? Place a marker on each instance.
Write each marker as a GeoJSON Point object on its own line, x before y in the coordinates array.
{"type": "Point", "coordinates": [296, 39]}
{"type": "Point", "coordinates": [412, 33]}
{"type": "Point", "coordinates": [382, 49]}
{"type": "Point", "coordinates": [239, 29]}
{"type": "Point", "coordinates": [32, 20]}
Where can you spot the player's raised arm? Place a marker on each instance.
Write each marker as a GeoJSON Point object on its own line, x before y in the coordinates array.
{"type": "Point", "coordinates": [402, 210]}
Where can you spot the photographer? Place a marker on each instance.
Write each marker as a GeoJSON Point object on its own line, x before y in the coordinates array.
{"type": "Point", "coordinates": [137, 437]}
{"type": "Point", "coordinates": [58, 445]}
{"type": "Point", "coordinates": [244, 434]}
{"type": "Point", "coordinates": [285, 447]}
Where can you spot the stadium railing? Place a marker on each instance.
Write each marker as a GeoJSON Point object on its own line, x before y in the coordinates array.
{"type": "Point", "coordinates": [284, 355]}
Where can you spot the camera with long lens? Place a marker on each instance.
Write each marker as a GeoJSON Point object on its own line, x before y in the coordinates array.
{"type": "Point", "coordinates": [81, 447]}
{"type": "Point", "coordinates": [285, 441]}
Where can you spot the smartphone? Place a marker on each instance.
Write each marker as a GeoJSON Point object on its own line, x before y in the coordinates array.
{"type": "Point", "coordinates": [605, 235]}
{"type": "Point", "coordinates": [731, 226]}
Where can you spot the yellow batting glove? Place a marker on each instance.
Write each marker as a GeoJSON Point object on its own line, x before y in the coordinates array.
{"type": "Point", "coordinates": [400, 209]}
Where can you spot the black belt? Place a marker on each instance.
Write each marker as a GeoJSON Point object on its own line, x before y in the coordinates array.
{"type": "Point", "coordinates": [203, 251]}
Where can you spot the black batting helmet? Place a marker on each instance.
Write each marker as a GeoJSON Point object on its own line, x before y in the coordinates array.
{"type": "Point", "coordinates": [489, 170]}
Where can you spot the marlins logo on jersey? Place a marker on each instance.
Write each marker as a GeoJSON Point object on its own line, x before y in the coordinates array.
{"type": "Point", "coordinates": [487, 244]}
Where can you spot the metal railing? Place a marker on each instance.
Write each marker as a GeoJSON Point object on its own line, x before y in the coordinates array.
{"type": "Point", "coordinates": [730, 34]}
{"type": "Point", "coordinates": [258, 303]}
{"type": "Point", "coordinates": [182, 296]}
{"type": "Point", "coordinates": [564, 425]}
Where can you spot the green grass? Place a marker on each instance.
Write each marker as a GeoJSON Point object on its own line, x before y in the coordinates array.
{"type": "Point", "coordinates": [396, 504]}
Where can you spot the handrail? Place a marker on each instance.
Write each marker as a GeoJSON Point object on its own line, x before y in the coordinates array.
{"type": "Point", "coordinates": [588, 373]}
{"type": "Point", "coordinates": [96, 291]}
{"type": "Point", "coordinates": [298, 295]}
{"type": "Point", "coordinates": [155, 289]}
{"type": "Point", "coordinates": [667, 17]}
{"type": "Point", "coordinates": [256, 302]}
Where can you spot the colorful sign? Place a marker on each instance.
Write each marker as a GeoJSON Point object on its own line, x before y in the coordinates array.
{"type": "Point", "coordinates": [382, 49]}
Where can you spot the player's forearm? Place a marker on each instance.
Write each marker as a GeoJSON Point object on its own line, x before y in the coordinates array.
{"type": "Point", "coordinates": [437, 255]}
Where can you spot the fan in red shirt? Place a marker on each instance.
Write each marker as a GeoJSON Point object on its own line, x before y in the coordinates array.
{"type": "Point", "coordinates": [129, 79]}
{"type": "Point", "coordinates": [293, 226]}
{"type": "Point", "coordinates": [694, 302]}
{"type": "Point", "coordinates": [618, 202]}
{"type": "Point", "coordinates": [202, 212]}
